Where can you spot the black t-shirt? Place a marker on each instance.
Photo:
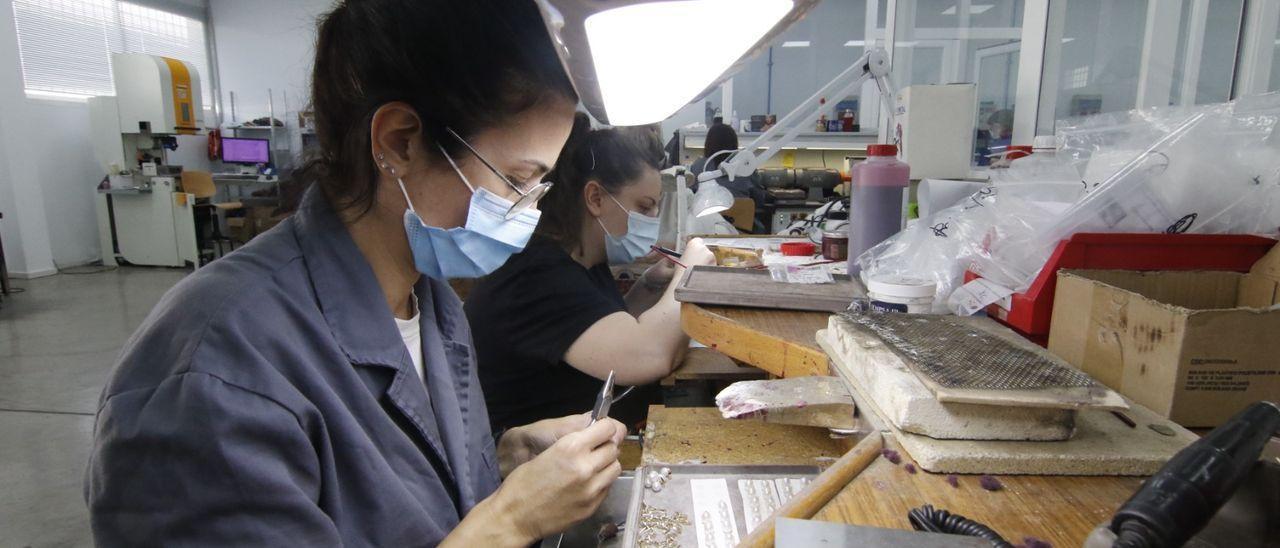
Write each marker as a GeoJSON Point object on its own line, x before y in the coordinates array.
{"type": "Point", "coordinates": [524, 317]}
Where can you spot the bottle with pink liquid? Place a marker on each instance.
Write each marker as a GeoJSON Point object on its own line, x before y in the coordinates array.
{"type": "Point", "coordinates": [876, 204]}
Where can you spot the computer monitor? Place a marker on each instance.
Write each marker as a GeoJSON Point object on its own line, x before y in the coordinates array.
{"type": "Point", "coordinates": [246, 151]}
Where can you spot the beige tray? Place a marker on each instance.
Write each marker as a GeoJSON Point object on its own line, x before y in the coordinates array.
{"type": "Point", "coordinates": [1103, 445]}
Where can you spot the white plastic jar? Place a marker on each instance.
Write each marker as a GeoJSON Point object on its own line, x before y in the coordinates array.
{"type": "Point", "coordinates": [897, 293]}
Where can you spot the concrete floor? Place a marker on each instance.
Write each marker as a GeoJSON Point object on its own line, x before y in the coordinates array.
{"type": "Point", "coordinates": [58, 341]}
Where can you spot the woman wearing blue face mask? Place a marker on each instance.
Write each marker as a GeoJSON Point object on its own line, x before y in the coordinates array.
{"type": "Point", "coordinates": [318, 386]}
{"type": "Point", "coordinates": [551, 323]}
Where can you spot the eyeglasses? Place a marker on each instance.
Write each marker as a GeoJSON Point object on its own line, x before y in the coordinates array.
{"type": "Point", "coordinates": [528, 198]}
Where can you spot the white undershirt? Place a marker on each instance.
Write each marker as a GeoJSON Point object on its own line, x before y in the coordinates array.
{"type": "Point", "coordinates": [412, 335]}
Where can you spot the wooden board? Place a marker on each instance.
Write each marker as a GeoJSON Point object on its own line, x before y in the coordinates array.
{"type": "Point", "coordinates": [778, 341]}
{"type": "Point", "coordinates": [1062, 510]}
{"type": "Point", "coordinates": [1101, 445]}
{"type": "Point", "coordinates": [678, 435]}
{"type": "Point", "coordinates": [1059, 509]}
{"type": "Point", "coordinates": [756, 288]}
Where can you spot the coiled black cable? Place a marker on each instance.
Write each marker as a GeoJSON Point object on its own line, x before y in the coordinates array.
{"type": "Point", "coordinates": [1135, 534]}
{"type": "Point", "coordinates": [933, 520]}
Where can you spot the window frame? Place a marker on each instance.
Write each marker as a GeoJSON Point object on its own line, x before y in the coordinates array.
{"type": "Point", "coordinates": [1038, 75]}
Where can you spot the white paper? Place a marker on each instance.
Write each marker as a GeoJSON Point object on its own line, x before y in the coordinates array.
{"type": "Point", "coordinates": [793, 274]}
{"type": "Point", "coordinates": [969, 298]}
{"type": "Point", "coordinates": [711, 497]}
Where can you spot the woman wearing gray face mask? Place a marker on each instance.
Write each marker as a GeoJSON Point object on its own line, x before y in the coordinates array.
{"type": "Point", "coordinates": [317, 387]}
{"type": "Point", "coordinates": [551, 322]}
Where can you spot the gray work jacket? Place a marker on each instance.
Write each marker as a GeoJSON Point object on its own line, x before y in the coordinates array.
{"type": "Point", "coordinates": [269, 400]}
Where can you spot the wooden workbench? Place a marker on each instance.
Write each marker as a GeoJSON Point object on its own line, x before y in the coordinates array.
{"type": "Point", "coordinates": [778, 341]}
{"type": "Point", "coordinates": [1062, 510]}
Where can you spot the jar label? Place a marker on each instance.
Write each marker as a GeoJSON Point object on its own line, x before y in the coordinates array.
{"type": "Point", "coordinates": [881, 306]}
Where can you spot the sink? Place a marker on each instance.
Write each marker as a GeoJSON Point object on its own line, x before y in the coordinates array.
{"type": "Point", "coordinates": [612, 510]}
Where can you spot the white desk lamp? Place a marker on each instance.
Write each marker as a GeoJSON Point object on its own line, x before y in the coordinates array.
{"type": "Point", "coordinates": [623, 55]}
{"type": "Point", "coordinates": [711, 197]}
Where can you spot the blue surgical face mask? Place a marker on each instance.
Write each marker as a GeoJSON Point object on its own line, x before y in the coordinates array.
{"type": "Point", "coordinates": [474, 250]}
{"type": "Point", "coordinates": [642, 234]}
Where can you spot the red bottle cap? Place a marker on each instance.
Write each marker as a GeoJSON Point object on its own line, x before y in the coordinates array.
{"type": "Point", "coordinates": [882, 150]}
{"type": "Point", "coordinates": [797, 249]}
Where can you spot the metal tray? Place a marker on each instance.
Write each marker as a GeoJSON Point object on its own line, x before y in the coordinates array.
{"type": "Point", "coordinates": [676, 495]}
{"type": "Point", "coordinates": [718, 285]}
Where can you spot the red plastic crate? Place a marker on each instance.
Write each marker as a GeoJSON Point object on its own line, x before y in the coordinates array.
{"type": "Point", "coordinates": [1031, 311]}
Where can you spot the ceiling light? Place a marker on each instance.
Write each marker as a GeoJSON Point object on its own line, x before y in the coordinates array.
{"type": "Point", "coordinates": [796, 44]}
{"type": "Point", "coordinates": [619, 53]}
{"type": "Point", "coordinates": [855, 43]}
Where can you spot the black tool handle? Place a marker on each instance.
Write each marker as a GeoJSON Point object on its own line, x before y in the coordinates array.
{"type": "Point", "coordinates": [1179, 500]}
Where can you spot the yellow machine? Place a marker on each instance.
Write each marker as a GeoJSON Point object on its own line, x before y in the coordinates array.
{"type": "Point", "coordinates": [143, 217]}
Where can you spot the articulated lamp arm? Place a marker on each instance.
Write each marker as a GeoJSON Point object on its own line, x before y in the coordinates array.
{"type": "Point", "coordinates": [873, 64]}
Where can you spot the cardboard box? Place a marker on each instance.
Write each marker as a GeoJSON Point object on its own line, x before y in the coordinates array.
{"type": "Point", "coordinates": [1196, 347]}
{"type": "Point", "coordinates": [936, 125]}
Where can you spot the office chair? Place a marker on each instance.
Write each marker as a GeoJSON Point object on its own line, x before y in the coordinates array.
{"type": "Point", "coordinates": [200, 183]}
{"type": "Point", "coordinates": [742, 214]}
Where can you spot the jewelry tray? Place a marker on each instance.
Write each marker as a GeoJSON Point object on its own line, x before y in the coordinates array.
{"type": "Point", "coordinates": [677, 496]}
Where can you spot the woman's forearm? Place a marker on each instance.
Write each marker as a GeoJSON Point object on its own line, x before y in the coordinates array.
{"type": "Point", "coordinates": [662, 322]}
{"type": "Point", "coordinates": [491, 523]}
{"type": "Point", "coordinates": [651, 343]}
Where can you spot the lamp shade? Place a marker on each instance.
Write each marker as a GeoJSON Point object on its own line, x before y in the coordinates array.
{"type": "Point", "coordinates": [628, 58]}
{"type": "Point", "coordinates": [711, 198]}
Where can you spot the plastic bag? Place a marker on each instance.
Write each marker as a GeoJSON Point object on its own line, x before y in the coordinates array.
{"type": "Point", "coordinates": [986, 232]}
{"type": "Point", "coordinates": [1208, 169]}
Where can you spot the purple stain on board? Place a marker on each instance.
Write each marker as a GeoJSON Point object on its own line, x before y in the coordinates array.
{"type": "Point", "coordinates": [953, 481]}
{"type": "Point", "coordinates": [911, 468]}
{"type": "Point", "coordinates": [892, 455]}
{"type": "Point", "coordinates": [990, 483]}
{"type": "Point", "coordinates": [1033, 542]}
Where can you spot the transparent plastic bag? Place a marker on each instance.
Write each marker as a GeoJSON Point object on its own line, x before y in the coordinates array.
{"type": "Point", "coordinates": [1208, 169]}
{"type": "Point", "coordinates": [986, 232]}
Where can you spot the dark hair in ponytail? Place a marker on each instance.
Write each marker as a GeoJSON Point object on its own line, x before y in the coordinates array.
{"type": "Point", "coordinates": [467, 65]}
{"type": "Point", "coordinates": [613, 157]}
{"type": "Point", "coordinates": [720, 137]}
